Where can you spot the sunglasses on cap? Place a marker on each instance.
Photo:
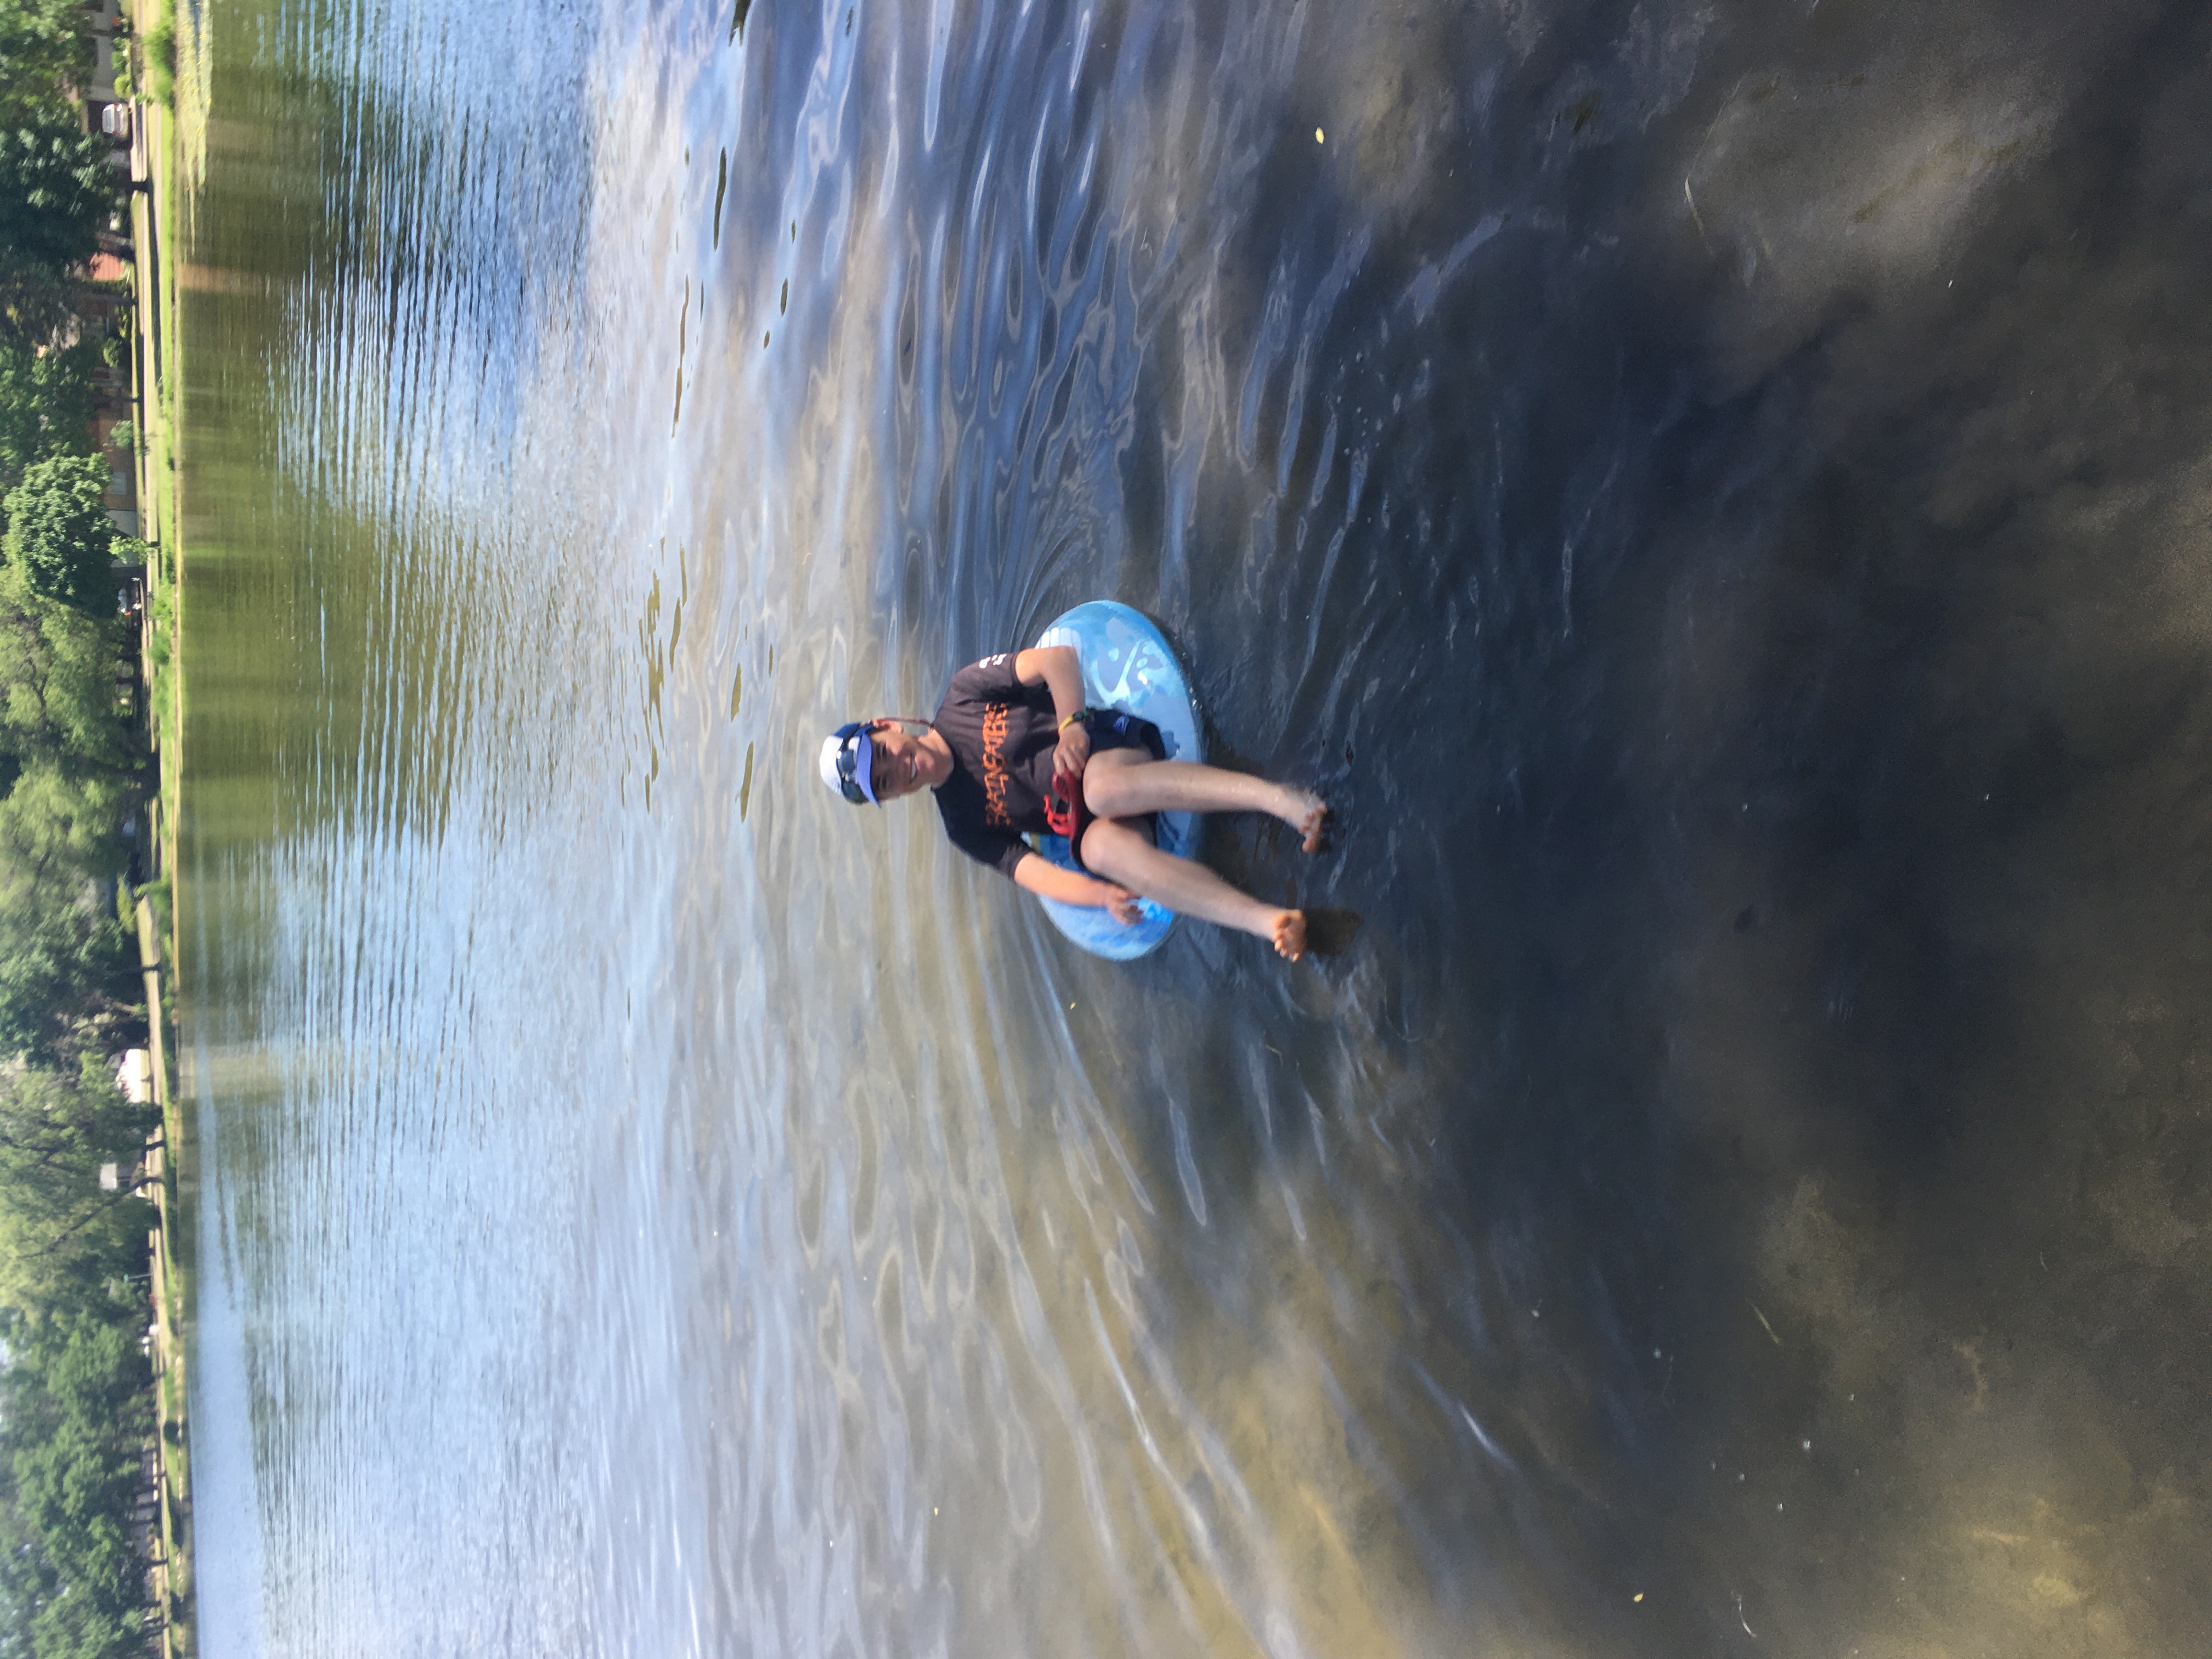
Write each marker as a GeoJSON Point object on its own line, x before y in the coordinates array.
{"type": "Point", "coordinates": [853, 749]}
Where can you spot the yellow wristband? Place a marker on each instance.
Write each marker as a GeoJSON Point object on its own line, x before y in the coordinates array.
{"type": "Point", "coordinates": [1072, 719]}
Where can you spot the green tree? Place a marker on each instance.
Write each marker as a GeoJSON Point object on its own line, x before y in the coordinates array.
{"type": "Point", "coordinates": [38, 304]}
{"type": "Point", "coordinates": [73, 1411]}
{"type": "Point", "coordinates": [68, 769]}
{"type": "Point", "coordinates": [62, 963]}
{"type": "Point", "coordinates": [56, 189]}
{"type": "Point", "coordinates": [46, 52]}
{"type": "Point", "coordinates": [59, 821]}
{"type": "Point", "coordinates": [58, 695]}
{"type": "Point", "coordinates": [61, 1238]}
{"type": "Point", "coordinates": [59, 1124]}
{"type": "Point", "coordinates": [59, 533]}
{"type": "Point", "coordinates": [55, 193]}
{"type": "Point", "coordinates": [46, 403]}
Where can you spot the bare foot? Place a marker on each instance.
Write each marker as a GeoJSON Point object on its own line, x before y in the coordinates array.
{"type": "Point", "coordinates": [1309, 818]}
{"type": "Point", "coordinates": [1289, 934]}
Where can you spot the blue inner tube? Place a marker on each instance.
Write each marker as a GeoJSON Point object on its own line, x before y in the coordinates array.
{"type": "Point", "coordinates": [1126, 665]}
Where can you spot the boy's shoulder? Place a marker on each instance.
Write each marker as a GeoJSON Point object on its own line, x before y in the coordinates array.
{"type": "Point", "coordinates": [989, 677]}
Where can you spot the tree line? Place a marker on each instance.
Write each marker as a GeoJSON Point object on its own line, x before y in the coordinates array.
{"type": "Point", "coordinates": [76, 1404]}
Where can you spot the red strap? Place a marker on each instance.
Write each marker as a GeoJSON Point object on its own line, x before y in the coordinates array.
{"type": "Point", "coordinates": [1061, 814]}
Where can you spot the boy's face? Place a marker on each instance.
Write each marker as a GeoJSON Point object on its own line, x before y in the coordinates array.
{"type": "Point", "coordinates": [901, 763]}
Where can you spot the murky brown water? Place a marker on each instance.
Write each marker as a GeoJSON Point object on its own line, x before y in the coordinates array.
{"type": "Point", "coordinates": [1717, 496]}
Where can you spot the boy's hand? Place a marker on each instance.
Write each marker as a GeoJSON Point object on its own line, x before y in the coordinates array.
{"type": "Point", "coordinates": [1068, 760]}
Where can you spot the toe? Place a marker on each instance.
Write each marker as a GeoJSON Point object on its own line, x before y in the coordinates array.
{"type": "Point", "coordinates": [1314, 825]}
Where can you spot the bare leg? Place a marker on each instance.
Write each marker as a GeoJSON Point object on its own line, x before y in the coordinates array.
{"type": "Point", "coordinates": [1122, 853]}
{"type": "Point", "coordinates": [1127, 783]}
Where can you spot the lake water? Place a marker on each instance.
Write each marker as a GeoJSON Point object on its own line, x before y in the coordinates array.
{"type": "Point", "coordinates": [1718, 497]}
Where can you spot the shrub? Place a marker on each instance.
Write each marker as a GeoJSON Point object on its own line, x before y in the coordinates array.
{"type": "Point", "coordinates": [59, 532]}
{"type": "Point", "coordinates": [160, 45]}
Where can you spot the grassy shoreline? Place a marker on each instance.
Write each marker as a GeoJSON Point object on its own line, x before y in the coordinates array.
{"type": "Point", "coordinates": [172, 1243]}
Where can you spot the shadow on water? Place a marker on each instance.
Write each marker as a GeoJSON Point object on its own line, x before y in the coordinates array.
{"type": "Point", "coordinates": [1331, 931]}
{"type": "Point", "coordinates": [1737, 506]}
{"type": "Point", "coordinates": [1902, 623]}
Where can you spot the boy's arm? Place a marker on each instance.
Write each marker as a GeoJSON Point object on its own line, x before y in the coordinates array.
{"type": "Point", "coordinates": [1041, 876]}
{"type": "Point", "coordinates": [1057, 666]}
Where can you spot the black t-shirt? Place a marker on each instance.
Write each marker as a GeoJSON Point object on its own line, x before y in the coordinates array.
{"type": "Point", "coordinates": [1003, 735]}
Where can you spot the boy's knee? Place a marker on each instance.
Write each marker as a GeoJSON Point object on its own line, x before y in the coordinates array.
{"type": "Point", "coordinates": [1105, 842]}
{"type": "Point", "coordinates": [1105, 784]}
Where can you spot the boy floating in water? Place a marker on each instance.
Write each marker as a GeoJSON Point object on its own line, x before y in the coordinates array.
{"type": "Point", "coordinates": [1013, 749]}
